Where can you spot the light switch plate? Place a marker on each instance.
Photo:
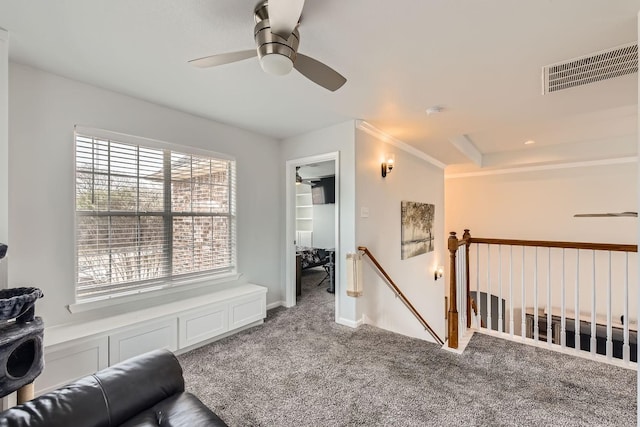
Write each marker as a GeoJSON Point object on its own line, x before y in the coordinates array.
{"type": "Point", "coordinates": [364, 212]}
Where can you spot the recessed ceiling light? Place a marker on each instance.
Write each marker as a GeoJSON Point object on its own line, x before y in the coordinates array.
{"type": "Point", "coordinates": [529, 142]}
{"type": "Point", "coordinates": [434, 110]}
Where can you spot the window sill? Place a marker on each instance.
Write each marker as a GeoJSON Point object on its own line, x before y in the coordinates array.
{"type": "Point", "coordinates": [81, 307]}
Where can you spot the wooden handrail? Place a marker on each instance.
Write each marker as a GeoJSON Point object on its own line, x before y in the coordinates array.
{"type": "Point", "coordinates": [553, 244]}
{"type": "Point", "coordinates": [402, 296]}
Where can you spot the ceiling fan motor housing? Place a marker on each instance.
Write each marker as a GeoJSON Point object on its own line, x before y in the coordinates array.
{"type": "Point", "coordinates": [269, 44]}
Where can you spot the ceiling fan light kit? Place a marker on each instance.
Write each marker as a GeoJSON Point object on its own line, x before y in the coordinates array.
{"type": "Point", "coordinates": [277, 54]}
{"type": "Point", "coordinates": [277, 38]}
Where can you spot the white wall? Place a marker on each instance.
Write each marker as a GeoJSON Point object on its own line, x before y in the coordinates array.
{"type": "Point", "coordinates": [43, 109]}
{"type": "Point", "coordinates": [541, 204]}
{"type": "Point", "coordinates": [412, 179]}
{"type": "Point", "coordinates": [331, 139]}
{"type": "Point", "coordinates": [324, 225]}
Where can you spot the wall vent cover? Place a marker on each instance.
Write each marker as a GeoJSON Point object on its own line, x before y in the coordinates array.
{"type": "Point", "coordinates": [591, 68]}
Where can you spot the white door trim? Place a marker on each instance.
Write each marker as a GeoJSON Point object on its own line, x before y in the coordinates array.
{"type": "Point", "coordinates": [290, 217]}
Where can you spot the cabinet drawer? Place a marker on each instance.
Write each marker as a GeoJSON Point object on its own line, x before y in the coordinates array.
{"type": "Point", "coordinates": [202, 324]}
{"type": "Point", "coordinates": [143, 338]}
{"type": "Point", "coordinates": [244, 311]}
{"type": "Point", "coordinates": [68, 362]}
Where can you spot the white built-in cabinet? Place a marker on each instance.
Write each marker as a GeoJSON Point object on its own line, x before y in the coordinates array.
{"type": "Point", "coordinates": [72, 352]}
{"type": "Point", "coordinates": [66, 362]}
{"type": "Point", "coordinates": [142, 338]}
{"type": "Point", "coordinates": [203, 324]}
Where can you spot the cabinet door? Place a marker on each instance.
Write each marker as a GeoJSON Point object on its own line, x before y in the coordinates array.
{"type": "Point", "coordinates": [244, 311]}
{"type": "Point", "coordinates": [202, 324]}
{"type": "Point", "coordinates": [143, 338]}
{"type": "Point", "coordinates": [68, 362]}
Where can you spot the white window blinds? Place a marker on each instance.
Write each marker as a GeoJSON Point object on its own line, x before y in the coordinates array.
{"type": "Point", "coordinates": [148, 216]}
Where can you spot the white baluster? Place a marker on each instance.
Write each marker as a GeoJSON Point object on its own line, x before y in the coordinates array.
{"type": "Point", "coordinates": [489, 323]}
{"type": "Point", "coordinates": [577, 304]}
{"type": "Point", "coordinates": [536, 331]}
{"type": "Point", "coordinates": [511, 322]}
{"type": "Point", "coordinates": [523, 327]}
{"type": "Point", "coordinates": [464, 287]}
{"type": "Point", "coordinates": [500, 327]}
{"type": "Point", "coordinates": [563, 318]}
{"type": "Point", "coordinates": [462, 324]}
{"type": "Point", "coordinates": [465, 291]}
{"type": "Point", "coordinates": [478, 300]}
{"type": "Point", "coordinates": [609, 329]}
{"type": "Point", "coordinates": [458, 289]}
{"type": "Point", "coordinates": [594, 342]}
{"type": "Point", "coordinates": [625, 345]}
{"type": "Point", "coordinates": [549, 329]}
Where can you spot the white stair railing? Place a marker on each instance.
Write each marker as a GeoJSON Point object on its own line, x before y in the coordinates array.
{"type": "Point", "coordinates": [533, 281]}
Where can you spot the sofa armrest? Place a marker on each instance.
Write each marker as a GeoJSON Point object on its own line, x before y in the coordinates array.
{"type": "Point", "coordinates": [137, 384]}
{"type": "Point", "coordinates": [181, 410]}
{"type": "Point", "coordinates": [106, 398]}
{"type": "Point", "coordinates": [141, 391]}
{"type": "Point", "coordinates": [79, 404]}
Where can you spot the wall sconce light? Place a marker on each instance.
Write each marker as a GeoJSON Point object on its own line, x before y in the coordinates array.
{"type": "Point", "coordinates": [387, 164]}
{"type": "Point", "coordinates": [437, 274]}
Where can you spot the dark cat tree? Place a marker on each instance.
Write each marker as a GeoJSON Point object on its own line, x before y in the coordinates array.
{"type": "Point", "coordinates": [21, 334]}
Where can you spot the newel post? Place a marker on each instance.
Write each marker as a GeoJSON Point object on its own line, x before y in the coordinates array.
{"type": "Point", "coordinates": [453, 310]}
{"type": "Point", "coordinates": [467, 242]}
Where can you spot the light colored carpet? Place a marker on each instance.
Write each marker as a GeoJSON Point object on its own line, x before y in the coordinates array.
{"type": "Point", "coordinates": [302, 369]}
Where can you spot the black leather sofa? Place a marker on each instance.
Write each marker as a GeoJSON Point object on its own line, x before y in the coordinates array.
{"type": "Point", "coordinates": [147, 390]}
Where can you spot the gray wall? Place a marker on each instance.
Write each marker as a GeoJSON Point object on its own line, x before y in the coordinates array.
{"type": "Point", "coordinates": [43, 109]}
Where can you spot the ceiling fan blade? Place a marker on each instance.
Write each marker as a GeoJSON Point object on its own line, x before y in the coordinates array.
{"type": "Point", "coordinates": [319, 73]}
{"type": "Point", "coordinates": [223, 58]}
{"type": "Point", "coordinates": [601, 215]}
{"type": "Point", "coordinates": [284, 16]}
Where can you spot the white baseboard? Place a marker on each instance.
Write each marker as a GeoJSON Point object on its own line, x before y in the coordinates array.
{"type": "Point", "coordinates": [276, 304]}
{"type": "Point", "coordinates": [350, 323]}
{"type": "Point", "coordinates": [463, 341]}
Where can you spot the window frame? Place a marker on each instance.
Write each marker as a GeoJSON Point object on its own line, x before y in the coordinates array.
{"type": "Point", "coordinates": [149, 288]}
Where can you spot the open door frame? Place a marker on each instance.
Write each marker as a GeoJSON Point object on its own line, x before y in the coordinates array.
{"type": "Point", "coordinates": [290, 233]}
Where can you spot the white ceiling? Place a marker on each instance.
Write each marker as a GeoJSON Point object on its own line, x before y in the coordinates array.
{"type": "Point", "coordinates": [480, 60]}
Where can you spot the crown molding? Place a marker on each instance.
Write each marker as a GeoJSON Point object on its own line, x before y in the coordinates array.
{"type": "Point", "coordinates": [377, 133]}
{"type": "Point", "coordinates": [604, 162]}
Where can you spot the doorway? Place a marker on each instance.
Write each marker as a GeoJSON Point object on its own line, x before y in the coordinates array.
{"type": "Point", "coordinates": [318, 174]}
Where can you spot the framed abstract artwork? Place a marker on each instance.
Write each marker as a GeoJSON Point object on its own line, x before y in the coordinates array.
{"type": "Point", "coordinates": [417, 228]}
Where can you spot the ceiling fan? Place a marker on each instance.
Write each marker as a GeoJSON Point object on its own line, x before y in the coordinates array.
{"type": "Point", "coordinates": [277, 38]}
{"type": "Point", "coordinates": [308, 181]}
{"type": "Point", "coordinates": [614, 214]}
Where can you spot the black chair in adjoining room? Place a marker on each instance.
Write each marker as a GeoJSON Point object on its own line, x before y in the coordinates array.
{"type": "Point", "coordinates": [329, 268]}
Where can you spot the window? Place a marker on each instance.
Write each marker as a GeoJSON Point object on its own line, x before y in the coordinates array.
{"type": "Point", "coordinates": [149, 216]}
